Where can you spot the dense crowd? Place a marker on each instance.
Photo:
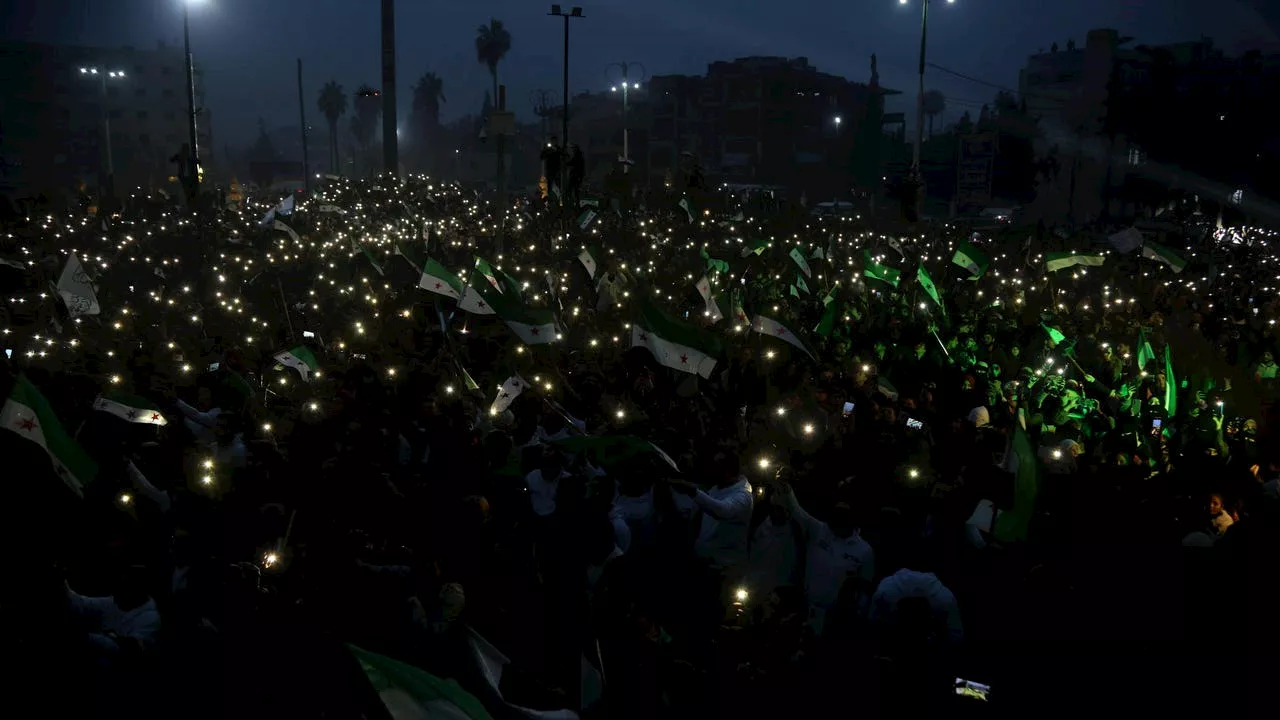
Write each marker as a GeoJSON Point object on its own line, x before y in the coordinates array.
{"type": "Point", "coordinates": [295, 466]}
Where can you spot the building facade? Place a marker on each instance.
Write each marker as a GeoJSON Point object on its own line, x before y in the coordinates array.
{"type": "Point", "coordinates": [52, 117]}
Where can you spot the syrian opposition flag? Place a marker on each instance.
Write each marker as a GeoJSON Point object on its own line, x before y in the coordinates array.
{"type": "Point", "coordinates": [285, 207]}
{"type": "Point", "coordinates": [1145, 353]}
{"type": "Point", "coordinates": [534, 326]}
{"type": "Point", "coordinates": [684, 205]}
{"type": "Point", "coordinates": [1055, 261]}
{"type": "Point", "coordinates": [411, 693]}
{"type": "Point", "coordinates": [585, 219]}
{"type": "Point", "coordinates": [674, 344]}
{"type": "Point", "coordinates": [330, 209]}
{"type": "Point", "coordinates": [507, 394]}
{"type": "Point", "coordinates": [713, 264]}
{"type": "Point", "coordinates": [477, 298]}
{"type": "Point", "coordinates": [293, 235]}
{"type": "Point", "coordinates": [1160, 253]}
{"type": "Point", "coordinates": [27, 414]}
{"type": "Point", "coordinates": [798, 256]}
{"type": "Point", "coordinates": [773, 328]}
{"type": "Point", "coordinates": [876, 271]}
{"type": "Point", "coordinates": [410, 255]}
{"type": "Point", "coordinates": [713, 310]}
{"type": "Point", "coordinates": [735, 306]}
{"type": "Point", "coordinates": [130, 409]}
{"type": "Point", "coordinates": [972, 259]}
{"type": "Point", "coordinates": [755, 247]}
{"type": "Point", "coordinates": [436, 278]}
{"type": "Point", "coordinates": [76, 290]}
{"type": "Point", "coordinates": [886, 388]}
{"type": "Point", "coordinates": [300, 359]}
{"type": "Point", "coordinates": [926, 282]}
{"type": "Point", "coordinates": [588, 261]}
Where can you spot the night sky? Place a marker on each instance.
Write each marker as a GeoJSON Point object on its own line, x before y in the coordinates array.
{"type": "Point", "coordinates": [248, 47]}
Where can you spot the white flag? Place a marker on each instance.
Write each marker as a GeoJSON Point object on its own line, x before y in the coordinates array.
{"type": "Point", "coordinates": [773, 328]}
{"type": "Point", "coordinates": [713, 310]}
{"type": "Point", "coordinates": [285, 228]}
{"type": "Point", "coordinates": [507, 394]}
{"type": "Point", "coordinates": [77, 291]}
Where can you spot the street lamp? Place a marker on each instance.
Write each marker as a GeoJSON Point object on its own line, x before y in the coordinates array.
{"type": "Point", "coordinates": [924, 34]}
{"type": "Point", "coordinates": [108, 183]}
{"type": "Point", "coordinates": [627, 87]}
{"type": "Point", "coordinates": [193, 169]}
{"type": "Point", "coordinates": [575, 12]}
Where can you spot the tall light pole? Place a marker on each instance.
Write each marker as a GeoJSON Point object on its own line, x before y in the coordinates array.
{"type": "Point", "coordinates": [626, 92]}
{"type": "Point", "coordinates": [108, 183]}
{"type": "Point", "coordinates": [924, 37]}
{"type": "Point", "coordinates": [390, 146]}
{"type": "Point", "coordinates": [193, 162]}
{"type": "Point", "coordinates": [575, 12]}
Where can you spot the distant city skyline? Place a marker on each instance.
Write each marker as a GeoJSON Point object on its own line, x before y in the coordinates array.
{"type": "Point", "coordinates": [247, 49]}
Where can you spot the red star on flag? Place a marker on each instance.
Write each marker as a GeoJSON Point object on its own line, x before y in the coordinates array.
{"type": "Point", "coordinates": [782, 331]}
{"type": "Point", "coordinates": [26, 424]}
{"type": "Point", "coordinates": [480, 305]}
{"type": "Point", "coordinates": [438, 286]}
{"type": "Point", "coordinates": [535, 331]}
{"type": "Point", "coordinates": [684, 359]}
{"type": "Point", "coordinates": [644, 337]}
{"type": "Point", "coordinates": [155, 417]}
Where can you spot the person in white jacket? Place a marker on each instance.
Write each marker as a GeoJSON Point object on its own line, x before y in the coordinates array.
{"type": "Point", "coordinates": [835, 554]}
{"type": "Point", "coordinates": [925, 585]}
{"type": "Point", "coordinates": [726, 518]}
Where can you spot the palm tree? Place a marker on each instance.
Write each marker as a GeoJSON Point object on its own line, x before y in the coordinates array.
{"type": "Point", "coordinates": [333, 104]}
{"type": "Point", "coordinates": [424, 120]}
{"type": "Point", "coordinates": [493, 42]}
{"type": "Point", "coordinates": [934, 105]}
{"type": "Point", "coordinates": [364, 124]}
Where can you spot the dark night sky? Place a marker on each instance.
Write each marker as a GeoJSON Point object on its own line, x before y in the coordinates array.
{"type": "Point", "coordinates": [248, 46]}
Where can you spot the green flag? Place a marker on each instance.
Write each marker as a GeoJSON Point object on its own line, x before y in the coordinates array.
{"type": "Point", "coordinates": [585, 219]}
{"type": "Point", "coordinates": [1055, 336]}
{"type": "Point", "coordinates": [1055, 261]}
{"type": "Point", "coordinates": [713, 264]}
{"type": "Point", "coordinates": [1013, 524]}
{"type": "Point", "coordinates": [1170, 384]}
{"type": "Point", "coordinates": [436, 278]}
{"type": "Point", "coordinates": [300, 359]}
{"type": "Point", "coordinates": [612, 451]}
{"type": "Point", "coordinates": [972, 259]}
{"type": "Point", "coordinates": [800, 283]}
{"type": "Point", "coordinates": [411, 692]}
{"type": "Point", "coordinates": [674, 344]}
{"type": "Point", "coordinates": [926, 282]}
{"type": "Point", "coordinates": [876, 271]}
{"type": "Point", "coordinates": [755, 247]}
{"type": "Point", "coordinates": [412, 254]}
{"type": "Point", "coordinates": [1145, 353]}
{"type": "Point", "coordinates": [684, 205]}
{"type": "Point", "coordinates": [828, 321]}
{"type": "Point", "coordinates": [130, 408]}
{"type": "Point", "coordinates": [28, 415]}
{"type": "Point", "coordinates": [1160, 253]}
{"type": "Point", "coordinates": [794, 292]}
{"type": "Point", "coordinates": [798, 256]}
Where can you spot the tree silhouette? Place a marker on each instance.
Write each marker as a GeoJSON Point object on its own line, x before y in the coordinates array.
{"type": "Point", "coordinates": [424, 119]}
{"type": "Point", "coordinates": [364, 124]}
{"type": "Point", "coordinates": [493, 42]}
{"type": "Point", "coordinates": [333, 105]}
{"type": "Point", "coordinates": [934, 105]}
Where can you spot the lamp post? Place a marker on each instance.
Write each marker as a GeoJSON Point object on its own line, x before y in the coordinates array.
{"type": "Point", "coordinates": [924, 36]}
{"type": "Point", "coordinates": [626, 93]}
{"type": "Point", "coordinates": [193, 169]}
{"type": "Point", "coordinates": [575, 12]}
{"type": "Point", "coordinates": [108, 183]}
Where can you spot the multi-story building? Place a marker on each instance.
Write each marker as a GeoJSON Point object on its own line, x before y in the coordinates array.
{"type": "Point", "coordinates": [1113, 117]}
{"type": "Point", "coordinates": [52, 116]}
{"type": "Point", "coordinates": [768, 121]}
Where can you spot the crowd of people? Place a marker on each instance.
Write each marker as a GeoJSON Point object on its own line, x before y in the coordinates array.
{"type": "Point", "coordinates": [920, 473]}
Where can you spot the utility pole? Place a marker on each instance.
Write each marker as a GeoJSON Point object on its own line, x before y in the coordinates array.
{"type": "Point", "coordinates": [627, 87]}
{"type": "Point", "coordinates": [390, 150]}
{"type": "Point", "coordinates": [575, 12]}
{"type": "Point", "coordinates": [193, 171]}
{"type": "Point", "coordinates": [302, 115]}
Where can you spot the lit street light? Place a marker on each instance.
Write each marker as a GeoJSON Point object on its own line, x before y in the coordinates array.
{"type": "Point", "coordinates": [627, 87]}
{"type": "Point", "coordinates": [108, 182]}
{"type": "Point", "coordinates": [193, 168]}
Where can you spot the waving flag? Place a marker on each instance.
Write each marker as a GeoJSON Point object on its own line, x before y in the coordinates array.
{"type": "Point", "coordinates": [1160, 253]}
{"type": "Point", "coordinates": [674, 344]}
{"type": "Point", "coordinates": [436, 278]}
{"type": "Point", "coordinates": [1055, 261]}
{"type": "Point", "coordinates": [130, 409]}
{"type": "Point", "coordinates": [507, 394]}
{"type": "Point", "coordinates": [926, 282]}
{"type": "Point", "coordinates": [972, 259]}
{"type": "Point", "coordinates": [798, 256]}
{"type": "Point", "coordinates": [876, 271]}
{"type": "Point", "coordinates": [713, 310]}
{"type": "Point", "coordinates": [773, 328]}
{"type": "Point", "coordinates": [588, 261]}
{"type": "Point", "coordinates": [300, 359]}
{"type": "Point", "coordinates": [76, 290]}
{"type": "Point", "coordinates": [755, 247]}
{"type": "Point", "coordinates": [28, 415]}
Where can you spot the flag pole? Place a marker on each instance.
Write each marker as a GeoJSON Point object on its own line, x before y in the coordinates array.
{"type": "Point", "coordinates": [285, 303]}
{"type": "Point", "coordinates": [940, 343]}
